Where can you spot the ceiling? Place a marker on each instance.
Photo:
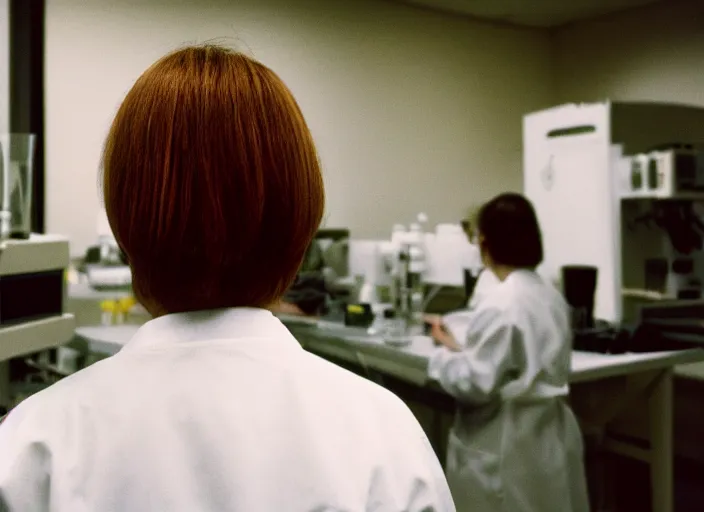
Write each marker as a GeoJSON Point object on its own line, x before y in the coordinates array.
{"type": "Point", "coordinates": [533, 13]}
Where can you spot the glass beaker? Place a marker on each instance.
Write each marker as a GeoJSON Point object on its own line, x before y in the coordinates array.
{"type": "Point", "coordinates": [16, 173]}
{"type": "Point", "coordinates": [395, 329]}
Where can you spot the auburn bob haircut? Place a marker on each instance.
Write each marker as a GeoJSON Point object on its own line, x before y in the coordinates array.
{"type": "Point", "coordinates": [212, 183]}
{"type": "Point", "coordinates": [509, 231]}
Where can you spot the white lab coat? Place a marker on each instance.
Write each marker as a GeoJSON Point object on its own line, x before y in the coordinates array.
{"type": "Point", "coordinates": [515, 445]}
{"type": "Point", "coordinates": [486, 283]}
{"type": "Point", "coordinates": [216, 411]}
{"type": "Point", "coordinates": [457, 323]}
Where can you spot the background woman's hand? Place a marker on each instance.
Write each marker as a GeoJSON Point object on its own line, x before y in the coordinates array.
{"type": "Point", "coordinates": [440, 335]}
{"type": "Point", "coordinates": [432, 319]}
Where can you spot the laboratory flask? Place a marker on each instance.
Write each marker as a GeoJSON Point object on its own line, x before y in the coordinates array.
{"type": "Point", "coordinates": [16, 174]}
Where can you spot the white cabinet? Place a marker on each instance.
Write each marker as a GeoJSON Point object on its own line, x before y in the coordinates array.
{"type": "Point", "coordinates": [572, 155]}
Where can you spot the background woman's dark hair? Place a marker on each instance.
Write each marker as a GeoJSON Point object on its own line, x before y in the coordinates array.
{"type": "Point", "coordinates": [510, 230]}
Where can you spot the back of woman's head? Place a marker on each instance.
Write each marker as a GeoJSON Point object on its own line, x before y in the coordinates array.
{"type": "Point", "coordinates": [211, 182]}
{"type": "Point", "coordinates": [510, 232]}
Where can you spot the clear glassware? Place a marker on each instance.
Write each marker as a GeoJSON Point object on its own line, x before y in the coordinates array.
{"type": "Point", "coordinates": [16, 177]}
{"type": "Point", "coordinates": [395, 329]}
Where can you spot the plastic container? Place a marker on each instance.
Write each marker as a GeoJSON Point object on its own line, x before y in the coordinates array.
{"type": "Point", "coordinates": [123, 308]}
{"type": "Point", "coordinates": [416, 249]}
{"type": "Point", "coordinates": [67, 360]}
{"type": "Point", "coordinates": [119, 315]}
{"type": "Point", "coordinates": [108, 308]}
{"type": "Point", "coordinates": [395, 333]}
{"type": "Point", "coordinates": [398, 231]}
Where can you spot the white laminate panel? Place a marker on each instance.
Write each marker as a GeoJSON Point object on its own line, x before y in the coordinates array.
{"type": "Point", "coordinates": [691, 371]}
{"type": "Point", "coordinates": [36, 335]}
{"type": "Point", "coordinates": [591, 366]}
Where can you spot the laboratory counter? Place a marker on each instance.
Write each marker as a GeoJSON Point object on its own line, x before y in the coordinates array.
{"type": "Point", "coordinates": [408, 363]}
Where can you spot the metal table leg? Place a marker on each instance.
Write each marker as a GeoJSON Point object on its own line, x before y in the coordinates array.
{"type": "Point", "coordinates": [660, 407]}
{"type": "Point", "coordinates": [5, 398]}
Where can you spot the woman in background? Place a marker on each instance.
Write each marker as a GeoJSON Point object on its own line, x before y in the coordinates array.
{"type": "Point", "coordinates": [485, 280]}
{"type": "Point", "coordinates": [479, 282]}
{"type": "Point", "coordinates": [213, 190]}
{"type": "Point", "coordinates": [515, 445]}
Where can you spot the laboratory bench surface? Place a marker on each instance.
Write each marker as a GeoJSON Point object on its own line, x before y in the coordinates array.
{"type": "Point", "coordinates": [409, 362]}
{"type": "Point", "coordinates": [605, 389]}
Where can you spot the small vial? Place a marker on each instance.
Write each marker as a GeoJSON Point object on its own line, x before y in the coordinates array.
{"type": "Point", "coordinates": [124, 306]}
{"type": "Point", "coordinates": [108, 308]}
{"type": "Point", "coordinates": [119, 314]}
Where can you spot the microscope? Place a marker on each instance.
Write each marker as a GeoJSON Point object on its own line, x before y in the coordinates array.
{"type": "Point", "coordinates": [405, 262]}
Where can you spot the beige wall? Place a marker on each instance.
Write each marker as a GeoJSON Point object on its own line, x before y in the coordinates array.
{"type": "Point", "coordinates": [650, 53]}
{"type": "Point", "coordinates": [411, 110]}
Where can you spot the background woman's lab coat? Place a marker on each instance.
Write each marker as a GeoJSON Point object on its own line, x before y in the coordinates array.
{"type": "Point", "coordinates": [213, 412]}
{"type": "Point", "coordinates": [515, 445]}
{"type": "Point", "coordinates": [486, 283]}
{"type": "Point", "coordinates": [457, 323]}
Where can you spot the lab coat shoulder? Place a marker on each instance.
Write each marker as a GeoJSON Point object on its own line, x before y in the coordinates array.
{"type": "Point", "coordinates": [27, 440]}
{"type": "Point", "coordinates": [42, 418]}
{"type": "Point", "coordinates": [487, 283]}
{"type": "Point", "coordinates": [412, 478]}
{"type": "Point", "coordinates": [54, 404]}
{"type": "Point", "coordinates": [497, 314]}
{"type": "Point", "coordinates": [518, 298]}
{"type": "Point", "coordinates": [408, 474]}
{"type": "Point", "coordinates": [502, 297]}
{"type": "Point", "coordinates": [65, 422]}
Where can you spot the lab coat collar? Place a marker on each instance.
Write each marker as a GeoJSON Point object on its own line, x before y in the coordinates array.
{"type": "Point", "coordinates": [522, 274]}
{"type": "Point", "coordinates": [219, 324]}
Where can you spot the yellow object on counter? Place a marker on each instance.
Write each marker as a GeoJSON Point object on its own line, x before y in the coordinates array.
{"type": "Point", "coordinates": [126, 303]}
{"type": "Point", "coordinates": [108, 306]}
{"type": "Point", "coordinates": [123, 307]}
{"type": "Point", "coordinates": [355, 309]}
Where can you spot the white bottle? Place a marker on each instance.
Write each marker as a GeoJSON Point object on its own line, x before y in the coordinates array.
{"type": "Point", "coordinates": [416, 270]}
{"type": "Point", "coordinates": [394, 260]}
{"type": "Point", "coordinates": [416, 249]}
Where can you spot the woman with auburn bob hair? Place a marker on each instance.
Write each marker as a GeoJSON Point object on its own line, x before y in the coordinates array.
{"type": "Point", "coordinates": [213, 189]}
